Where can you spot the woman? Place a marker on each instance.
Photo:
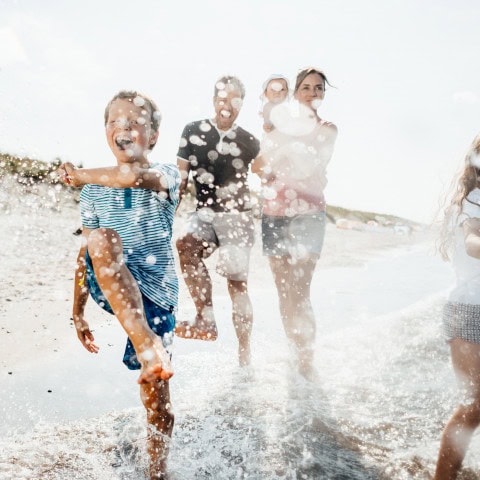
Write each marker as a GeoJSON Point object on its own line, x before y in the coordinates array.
{"type": "Point", "coordinates": [461, 315]}
{"type": "Point", "coordinates": [292, 164]}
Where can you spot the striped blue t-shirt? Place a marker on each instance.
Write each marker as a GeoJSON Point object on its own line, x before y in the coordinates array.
{"type": "Point", "coordinates": [144, 220]}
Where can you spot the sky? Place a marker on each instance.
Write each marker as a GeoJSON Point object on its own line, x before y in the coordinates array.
{"type": "Point", "coordinates": [405, 76]}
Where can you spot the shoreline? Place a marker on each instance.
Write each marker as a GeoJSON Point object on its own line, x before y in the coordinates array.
{"type": "Point", "coordinates": [51, 384]}
{"type": "Point", "coordinates": [38, 271]}
{"type": "Point", "coordinates": [38, 268]}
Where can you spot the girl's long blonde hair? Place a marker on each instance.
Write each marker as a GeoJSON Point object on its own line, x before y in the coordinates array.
{"type": "Point", "coordinates": [462, 185]}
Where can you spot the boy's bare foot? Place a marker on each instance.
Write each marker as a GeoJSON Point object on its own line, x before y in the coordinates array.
{"type": "Point", "coordinates": [199, 330]}
{"type": "Point", "coordinates": [155, 364]}
{"type": "Point", "coordinates": [158, 449]}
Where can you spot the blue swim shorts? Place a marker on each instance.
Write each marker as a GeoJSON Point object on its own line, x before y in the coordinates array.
{"type": "Point", "coordinates": [160, 320]}
{"type": "Point", "coordinates": [296, 236]}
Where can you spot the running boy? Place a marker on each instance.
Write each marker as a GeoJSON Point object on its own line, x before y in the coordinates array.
{"type": "Point", "coordinates": [126, 260]}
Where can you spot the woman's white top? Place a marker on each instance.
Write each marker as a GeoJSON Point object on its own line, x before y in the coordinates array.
{"type": "Point", "coordinates": [297, 152]}
{"type": "Point", "coordinates": [466, 268]}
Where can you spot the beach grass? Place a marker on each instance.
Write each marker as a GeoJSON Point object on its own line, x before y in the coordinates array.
{"type": "Point", "coordinates": [28, 171]}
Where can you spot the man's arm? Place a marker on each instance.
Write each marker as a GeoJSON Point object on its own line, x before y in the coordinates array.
{"type": "Point", "coordinates": [119, 176]}
{"type": "Point", "coordinates": [184, 167]}
{"type": "Point", "coordinates": [80, 297]}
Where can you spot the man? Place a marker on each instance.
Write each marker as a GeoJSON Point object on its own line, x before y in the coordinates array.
{"type": "Point", "coordinates": [218, 153]}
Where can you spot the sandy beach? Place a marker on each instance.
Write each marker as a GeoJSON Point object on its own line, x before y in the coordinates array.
{"type": "Point", "coordinates": [63, 407]}
{"type": "Point", "coordinates": [38, 259]}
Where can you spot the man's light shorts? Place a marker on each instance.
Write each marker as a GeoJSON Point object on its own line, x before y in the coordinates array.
{"type": "Point", "coordinates": [231, 233]}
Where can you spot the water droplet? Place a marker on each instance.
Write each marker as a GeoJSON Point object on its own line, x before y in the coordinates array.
{"type": "Point", "coordinates": [139, 101]}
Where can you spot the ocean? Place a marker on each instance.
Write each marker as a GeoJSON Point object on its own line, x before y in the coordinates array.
{"type": "Point", "coordinates": [386, 389]}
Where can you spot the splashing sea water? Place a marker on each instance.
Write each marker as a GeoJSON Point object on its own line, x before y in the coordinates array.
{"type": "Point", "coordinates": [385, 390]}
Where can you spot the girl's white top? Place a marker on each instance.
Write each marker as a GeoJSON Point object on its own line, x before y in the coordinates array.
{"type": "Point", "coordinates": [466, 268]}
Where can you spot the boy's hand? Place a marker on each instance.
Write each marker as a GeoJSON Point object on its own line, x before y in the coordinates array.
{"type": "Point", "coordinates": [86, 336]}
{"type": "Point", "coordinates": [66, 173]}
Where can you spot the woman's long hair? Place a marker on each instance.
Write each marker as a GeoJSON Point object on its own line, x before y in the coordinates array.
{"type": "Point", "coordinates": [462, 185]}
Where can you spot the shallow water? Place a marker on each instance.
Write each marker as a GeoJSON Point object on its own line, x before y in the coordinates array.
{"type": "Point", "coordinates": [385, 390]}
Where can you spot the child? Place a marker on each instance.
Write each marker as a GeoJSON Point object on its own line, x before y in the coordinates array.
{"type": "Point", "coordinates": [275, 91]}
{"type": "Point", "coordinates": [461, 314]}
{"type": "Point", "coordinates": [126, 260]}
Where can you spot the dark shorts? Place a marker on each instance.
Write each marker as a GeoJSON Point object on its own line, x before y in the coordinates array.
{"type": "Point", "coordinates": [461, 320]}
{"type": "Point", "coordinates": [160, 320]}
{"type": "Point", "coordinates": [296, 236]}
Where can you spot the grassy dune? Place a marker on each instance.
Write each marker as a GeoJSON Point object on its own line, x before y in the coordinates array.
{"type": "Point", "coordinates": [27, 168]}
{"type": "Point", "coordinates": [32, 172]}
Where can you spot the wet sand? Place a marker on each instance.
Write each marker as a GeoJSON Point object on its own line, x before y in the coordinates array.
{"type": "Point", "coordinates": [49, 383]}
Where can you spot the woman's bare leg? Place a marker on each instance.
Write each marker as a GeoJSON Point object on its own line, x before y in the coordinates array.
{"type": "Point", "coordinates": [293, 278]}
{"type": "Point", "coordinates": [466, 418]}
{"type": "Point", "coordinates": [280, 268]}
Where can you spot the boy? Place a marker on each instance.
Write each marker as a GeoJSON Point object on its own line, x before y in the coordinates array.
{"type": "Point", "coordinates": [126, 260]}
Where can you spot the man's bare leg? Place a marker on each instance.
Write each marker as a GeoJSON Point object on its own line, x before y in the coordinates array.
{"type": "Point", "coordinates": [156, 399]}
{"type": "Point", "coordinates": [122, 292]}
{"type": "Point", "coordinates": [466, 418]}
{"type": "Point", "coordinates": [242, 316]}
{"type": "Point", "coordinates": [199, 284]}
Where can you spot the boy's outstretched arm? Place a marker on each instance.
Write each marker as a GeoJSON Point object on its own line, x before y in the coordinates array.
{"type": "Point", "coordinates": [80, 297]}
{"type": "Point", "coordinates": [120, 176]}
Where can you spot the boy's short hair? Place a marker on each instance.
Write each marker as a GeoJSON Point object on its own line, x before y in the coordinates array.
{"type": "Point", "coordinates": [155, 115]}
{"type": "Point", "coordinates": [234, 82]}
